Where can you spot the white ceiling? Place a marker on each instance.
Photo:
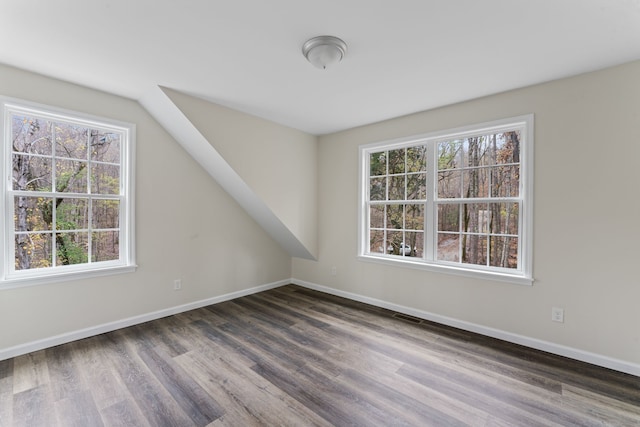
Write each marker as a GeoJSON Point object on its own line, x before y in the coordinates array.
{"type": "Point", "coordinates": [403, 56]}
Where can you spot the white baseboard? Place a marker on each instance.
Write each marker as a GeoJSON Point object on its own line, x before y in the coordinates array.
{"type": "Point", "coordinates": [561, 350]}
{"type": "Point", "coordinates": [21, 349]}
{"type": "Point", "coordinates": [573, 353]}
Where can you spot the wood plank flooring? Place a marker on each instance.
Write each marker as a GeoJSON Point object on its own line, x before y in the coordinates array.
{"type": "Point", "coordinates": [295, 357]}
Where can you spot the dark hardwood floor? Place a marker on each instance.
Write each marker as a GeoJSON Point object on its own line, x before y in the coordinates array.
{"type": "Point", "coordinates": [295, 357]}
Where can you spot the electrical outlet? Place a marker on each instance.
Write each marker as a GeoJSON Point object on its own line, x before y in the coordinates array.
{"type": "Point", "coordinates": [177, 285]}
{"type": "Point", "coordinates": [557, 314]}
{"type": "Point", "coordinates": [334, 271]}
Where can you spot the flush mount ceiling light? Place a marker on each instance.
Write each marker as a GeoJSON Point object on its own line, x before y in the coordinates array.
{"type": "Point", "coordinates": [324, 51]}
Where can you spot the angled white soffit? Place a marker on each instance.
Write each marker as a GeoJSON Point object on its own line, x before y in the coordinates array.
{"type": "Point", "coordinates": [173, 120]}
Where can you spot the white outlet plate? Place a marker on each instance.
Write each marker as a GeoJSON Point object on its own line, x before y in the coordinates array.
{"type": "Point", "coordinates": [177, 285]}
{"type": "Point", "coordinates": [557, 314]}
{"type": "Point", "coordinates": [334, 271]}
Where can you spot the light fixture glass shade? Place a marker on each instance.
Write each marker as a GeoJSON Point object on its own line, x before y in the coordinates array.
{"type": "Point", "coordinates": [324, 51]}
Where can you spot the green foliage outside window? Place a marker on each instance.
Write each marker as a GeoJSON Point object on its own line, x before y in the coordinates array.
{"type": "Point", "coordinates": [63, 176]}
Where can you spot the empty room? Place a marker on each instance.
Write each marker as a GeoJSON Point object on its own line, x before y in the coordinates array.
{"type": "Point", "coordinates": [288, 213]}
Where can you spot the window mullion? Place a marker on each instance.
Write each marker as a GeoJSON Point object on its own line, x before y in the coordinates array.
{"type": "Point", "coordinates": [8, 250]}
{"type": "Point", "coordinates": [54, 191]}
{"type": "Point", "coordinates": [488, 232]}
{"type": "Point", "coordinates": [90, 227]}
{"type": "Point", "coordinates": [460, 240]}
{"type": "Point", "coordinates": [430, 213]}
{"type": "Point", "coordinates": [90, 200]}
{"type": "Point", "coordinates": [386, 198]}
{"type": "Point", "coordinates": [404, 206]}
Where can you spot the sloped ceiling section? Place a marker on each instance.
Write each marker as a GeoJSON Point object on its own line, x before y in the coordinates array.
{"type": "Point", "coordinates": [294, 231]}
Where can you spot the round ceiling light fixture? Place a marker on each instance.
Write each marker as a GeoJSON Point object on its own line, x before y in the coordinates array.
{"type": "Point", "coordinates": [324, 51]}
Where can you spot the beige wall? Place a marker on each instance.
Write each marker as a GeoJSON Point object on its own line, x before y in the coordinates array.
{"type": "Point", "coordinates": [277, 162]}
{"type": "Point", "coordinates": [186, 227]}
{"type": "Point", "coordinates": [586, 228]}
{"type": "Point", "coordinates": [586, 220]}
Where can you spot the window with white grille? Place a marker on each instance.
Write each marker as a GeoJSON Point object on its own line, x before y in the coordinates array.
{"type": "Point", "coordinates": [67, 193]}
{"type": "Point", "coordinates": [458, 200]}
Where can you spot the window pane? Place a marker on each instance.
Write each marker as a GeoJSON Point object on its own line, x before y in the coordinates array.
{"type": "Point", "coordinates": [378, 189]}
{"type": "Point", "coordinates": [449, 155]}
{"type": "Point", "coordinates": [417, 159]}
{"type": "Point", "coordinates": [464, 154]}
{"type": "Point", "coordinates": [414, 217]}
{"type": "Point", "coordinates": [396, 161]}
{"type": "Point", "coordinates": [105, 146]}
{"type": "Point", "coordinates": [378, 163]}
{"type": "Point", "coordinates": [476, 151]}
{"type": "Point", "coordinates": [475, 183]}
{"type": "Point", "coordinates": [31, 173]}
{"type": "Point", "coordinates": [448, 217]}
{"type": "Point", "coordinates": [31, 135]}
{"type": "Point", "coordinates": [415, 241]}
{"type": "Point", "coordinates": [485, 150]}
{"type": "Point", "coordinates": [396, 187]}
{"type": "Point", "coordinates": [507, 149]}
{"type": "Point", "coordinates": [376, 242]}
{"type": "Point", "coordinates": [376, 216]}
{"type": "Point", "coordinates": [474, 249]}
{"type": "Point", "coordinates": [32, 213]}
{"type": "Point", "coordinates": [394, 216]}
{"type": "Point", "coordinates": [504, 218]}
{"type": "Point", "coordinates": [105, 246]}
{"type": "Point", "coordinates": [105, 214]}
{"type": "Point", "coordinates": [450, 184]}
{"type": "Point", "coordinates": [71, 176]}
{"type": "Point", "coordinates": [105, 179]}
{"type": "Point", "coordinates": [396, 244]}
{"type": "Point", "coordinates": [72, 248]}
{"type": "Point", "coordinates": [448, 247]}
{"type": "Point", "coordinates": [71, 141]}
{"type": "Point", "coordinates": [72, 214]}
{"type": "Point", "coordinates": [475, 217]}
{"type": "Point", "coordinates": [505, 181]}
{"type": "Point", "coordinates": [33, 251]}
{"type": "Point", "coordinates": [504, 252]}
{"type": "Point", "coordinates": [417, 186]}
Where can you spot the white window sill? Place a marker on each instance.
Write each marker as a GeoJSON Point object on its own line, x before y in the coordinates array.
{"type": "Point", "coordinates": [63, 276]}
{"type": "Point", "coordinates": [518, 279]}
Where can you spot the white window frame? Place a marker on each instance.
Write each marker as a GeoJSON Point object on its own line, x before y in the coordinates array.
{"type": "Point", "coordinates": [9, 277]}
{"type": "Point", "coordinates": [523, 275]}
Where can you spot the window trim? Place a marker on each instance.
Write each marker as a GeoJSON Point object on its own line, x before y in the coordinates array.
{"type": "Point", "coordinates": [524, 275]}
{"type": "Point", "coordinates": [127, 263]}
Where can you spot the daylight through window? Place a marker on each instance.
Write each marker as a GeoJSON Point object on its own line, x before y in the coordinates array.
{"type": "Point", "coordinates": [67, 203]}
{"type": "Point", "coordinates": [457, 200]}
